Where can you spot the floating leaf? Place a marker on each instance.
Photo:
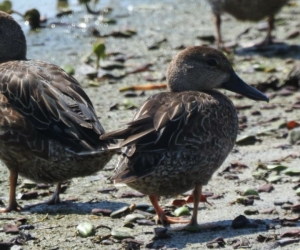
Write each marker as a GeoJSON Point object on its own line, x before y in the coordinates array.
{"type": "Point", "coordinates": [181, 211]}
{"type": "Point", "coordinates": [85, 229]}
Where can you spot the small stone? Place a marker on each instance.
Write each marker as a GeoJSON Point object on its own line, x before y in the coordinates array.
{"type": "Point", "coordinates": [240, 222]}
{"type": "Point", "coordinates": [266, 188]}
{"type": "Point", "coordinates": [85, 229]}
{"type": "Point", "coordinates": [28, 184]}
{"type": "Point", "coordinates": [267, 211]}
{"type": "Point", "coordinates": [106, 242]}
{"type": "Point", "coordinates": [295, 207]}
{"type": "Point", "coordinates": [10, 229]}
{"type": "Point", "coordinates": [145, 222]}
{"type": "Point", "coordinates": [15, 247]}
{"type": "Point", "coordinates": [28, 195]}
{"type": "Point", "coordinates": [122, 233]}
{"type": "Point", "coordinates": [134, 217]}
{"type": "Point", "coordinates": [100, 211]}
{"type": "Point", "coordinates": [120, 212]}
{"type": "Point", "coordinates": [286, 206]}
{"type": "Point", "coordinates": [161, 233]}
{"type": "Point", "coordinates": [245, 201]}
{"type": "Point", "coordinates": [251, 211]}
{"type": "Point", "coordinates": [142, 207]}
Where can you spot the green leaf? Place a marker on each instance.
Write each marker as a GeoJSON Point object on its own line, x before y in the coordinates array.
{"type": "Point", "coordinates": [6, 6]}
{"type": "Point", "coordinates": [250, 192]}
{"type": "Point", "coordinates": [182, 211]}
{"type": "Point", "coordinates": [277, 168]}
{"type": "Point", "coordinates": [273, 179]}
{"type": "Point", "coordinates": [99, 49]}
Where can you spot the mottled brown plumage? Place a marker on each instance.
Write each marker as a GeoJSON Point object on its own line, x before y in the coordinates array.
{"type": "Point", "coordinates": [247, 10]}
{"type": "Point", "coordinates": [178, 139]}
{"type": "Point", "coordinates": [49, 131]}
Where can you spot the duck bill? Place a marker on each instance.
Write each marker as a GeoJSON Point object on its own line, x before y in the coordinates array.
{"type": "Point", "coordinates": [237, 85]}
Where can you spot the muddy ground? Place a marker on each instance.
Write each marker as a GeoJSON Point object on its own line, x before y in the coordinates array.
{"type": "Point", "coordinates": [171, 26]}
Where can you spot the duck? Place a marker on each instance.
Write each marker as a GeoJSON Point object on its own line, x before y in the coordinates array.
{"type": "Point", "coordinates": [245, 10]}
{"type": "Point", "coordinates": [178, 139]}
{"type": "Point", "coordinates": [49, 130]}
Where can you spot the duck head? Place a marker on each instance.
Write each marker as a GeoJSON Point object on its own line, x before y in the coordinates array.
{"type": "Point", "coordinates": [201, 68]}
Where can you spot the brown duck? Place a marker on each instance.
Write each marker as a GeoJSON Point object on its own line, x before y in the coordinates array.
{"type": "Point", "coordinates": [178, 139]}
{"type": "Point", "coordinates": [49, 131]}
{"type": "Point", "coordinates": [250, 10]}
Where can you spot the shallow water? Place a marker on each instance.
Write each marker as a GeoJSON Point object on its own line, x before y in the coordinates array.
{"type": "Point", "coordinates": [180, 22]}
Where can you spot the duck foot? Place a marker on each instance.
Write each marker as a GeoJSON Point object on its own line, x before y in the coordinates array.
{"type": "Point", "coordinates": [202, 198]}
{"type": "Point", "coordinates": [165, 220]}
{"type": "Point", "coordinates": [11, 207]}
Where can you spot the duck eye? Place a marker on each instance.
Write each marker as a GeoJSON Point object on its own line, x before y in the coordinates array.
{"type": "Point", "coordinates": [212, 62]}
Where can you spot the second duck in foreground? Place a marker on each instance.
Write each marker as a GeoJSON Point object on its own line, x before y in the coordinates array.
{"type": "Point", "coordinates": [178, 139]}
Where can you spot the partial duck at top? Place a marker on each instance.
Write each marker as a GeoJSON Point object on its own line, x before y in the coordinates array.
{"type": "Point", "coordinates": [247, 10]}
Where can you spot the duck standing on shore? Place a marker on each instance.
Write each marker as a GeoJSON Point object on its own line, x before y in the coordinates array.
{"type": "Point", "coordinates": [49, 131]}
{"type": "Point", "coordinates": [178, 139]}
{"type": "Point", "coordinates": [250, 10]}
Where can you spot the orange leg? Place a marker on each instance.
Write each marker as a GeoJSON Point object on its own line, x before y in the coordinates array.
{"type": "Point", "coordinates": [193, 225]}
{"type": "Point", "coordinates": [12, 205]}
{"type": "Point", "coordinates": [161, 214]}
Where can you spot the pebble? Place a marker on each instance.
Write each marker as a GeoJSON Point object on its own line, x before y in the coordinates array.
{"type": "Point", "coordinates": [134, 217]}
{"type": "Point", "coordinates": [85, 229]}
{"type": "Point", "coordinates": [10, 229]}
{"type": "Point", "coordinates": [122, 233]}
{"type": "Point", "coordinates": [240, 222]}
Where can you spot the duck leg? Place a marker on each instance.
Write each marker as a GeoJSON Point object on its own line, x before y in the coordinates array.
{"type": "Point", "coordinates": [12, 205]}
{"type": "Point", "coordinates": [55, 198]}
{"type": "Point", "coordinates": [217, 21]}
{"type": "Point", "coordinates": [161, 214]}
{"type": "Point", "coordinates": [268, 39]}
{"type": "Point", "coordinates": [193, 225]}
